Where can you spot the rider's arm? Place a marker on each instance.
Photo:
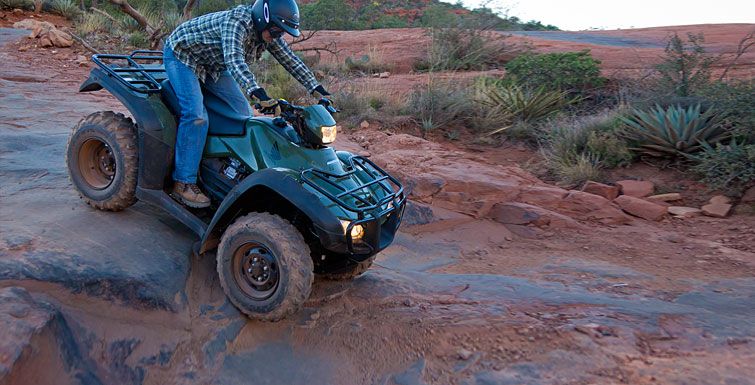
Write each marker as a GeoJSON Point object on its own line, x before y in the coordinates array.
{"type": "Point", "coordinates": [234, 32]}
{"type": "Point", "coordinates": [283, 54]}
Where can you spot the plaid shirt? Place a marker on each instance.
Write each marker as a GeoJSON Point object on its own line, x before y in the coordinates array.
{"type": "Point", "coordinates": [226, 40]}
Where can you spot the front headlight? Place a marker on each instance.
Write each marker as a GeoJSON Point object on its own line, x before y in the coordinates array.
{"type": "Point", "coordinates": [357, 231]}
{"type": "Point", "coordinates": [328, 134]}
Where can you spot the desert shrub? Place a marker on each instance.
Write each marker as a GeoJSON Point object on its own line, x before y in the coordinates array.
{"type": "Point", "coordinates": [577, 148]}
{"type": "Point", "coordinates": [389, 21]}
{"type": "Point", "coordinates": [209, 6]}
{"type": "Point", "coordinates": [438, 15]}
{"type": "Point", "coordinates": [66, 8]}
{"type": "Point", "coordinates": [138, 39]}
{"type": "Point", "coordinates": [576, 72]}
{"type": "Point", "coordinates": [370, 63]}
{"type": "Point", "coordinates": [455, 49]}
{"type": "Point", "coordinates": [92, 23]}
{"type": "Point", "coordinates": [729, 167]}
{"type": "Point", "coordinates": [674, 131]}
{"type": "Point", "coordinates": [437, 104]}
{"type": "Point", "coordinates": [278, 82]}
{"type": "Point", "coordinates": [685, 68]}
{"type": "Point", "coordinates": [736, 103]}
{"type": "Point", "coordinates": [13, 4]}
{"type": "Point", "coordinates": [575, 169]}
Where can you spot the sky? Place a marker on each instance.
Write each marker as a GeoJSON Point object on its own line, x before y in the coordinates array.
{"type": "Point", "coordinates": [586, 14]}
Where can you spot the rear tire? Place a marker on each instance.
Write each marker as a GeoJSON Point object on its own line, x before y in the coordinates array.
{"type": "Point", "coordinates": [102, 160]}
{"type": "Point", "coordinates": [351, 271]}
{"type": "Point", "coordinates": [265, 266]}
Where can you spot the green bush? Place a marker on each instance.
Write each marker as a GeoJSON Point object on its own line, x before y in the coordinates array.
{"type": "Point", "coordinates": [277, 81]}
{"type": "Point", "coordinates": [92, 23]}
{"type": "Point", "coordinates": [574, 170]}
{"type": "Point", "coordinates": [575, 72]}
{"type": "Point", "coordinates": [736, 103]}
{"type": "Point", "coordinates": [328, 15]}
{"type": "Point", "coordinates": [728, 167]}
{"type": "Point", "coordinates": [674, 131]}
{"type": "Point", "coordinates": [138, 39]}
{"type": "Point", "coordinates": [370, 63]}
{"type": "Point", "coordinates": [13, 4]}
{"type": "Point", "coordinates": [685, 68]}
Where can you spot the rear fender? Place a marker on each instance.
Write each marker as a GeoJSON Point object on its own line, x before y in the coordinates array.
{"type": "Point", "coordinates": [272, 185]}
{"type": "Point", "coordinates": [156, 126]}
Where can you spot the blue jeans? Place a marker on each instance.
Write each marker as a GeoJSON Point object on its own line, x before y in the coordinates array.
{"type": "Point", "coordinates": [193, 123]}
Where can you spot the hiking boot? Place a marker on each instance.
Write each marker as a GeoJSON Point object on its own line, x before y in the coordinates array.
{"type": "Point", "coordinates": [190, 195]}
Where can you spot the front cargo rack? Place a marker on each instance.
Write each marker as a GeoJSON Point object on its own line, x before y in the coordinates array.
{"type": "Point", "coordinates": [362, 206]}
{"type": "Point", "coordinates": [136, 71]}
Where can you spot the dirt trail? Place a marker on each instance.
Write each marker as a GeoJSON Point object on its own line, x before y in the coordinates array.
{"type": "Point", "coordinates": [117, 298]}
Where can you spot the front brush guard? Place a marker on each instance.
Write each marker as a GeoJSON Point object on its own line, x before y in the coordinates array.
{"type": "Point", "coordinates": [369, 214]}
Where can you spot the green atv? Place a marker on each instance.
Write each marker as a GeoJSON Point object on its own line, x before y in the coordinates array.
{"type": "Point", "coordinates": [285, 205]}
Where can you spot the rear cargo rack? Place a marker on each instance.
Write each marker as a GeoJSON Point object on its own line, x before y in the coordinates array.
{"type": "Point", "coordinates": [393, 189]}
{"type": "Point", "coordinates": [136, 71]}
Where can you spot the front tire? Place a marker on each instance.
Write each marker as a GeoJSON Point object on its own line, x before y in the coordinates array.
{"type": "Point", "coordinates": [265, 266]}
{"type": "Point", "coordinates": [102, 160]}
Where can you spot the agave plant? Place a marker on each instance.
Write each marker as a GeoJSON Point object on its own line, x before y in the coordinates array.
{"type": "Point", "coordinates": [523, 104]}
{"type": "Point", "coordinates": [674, 131]}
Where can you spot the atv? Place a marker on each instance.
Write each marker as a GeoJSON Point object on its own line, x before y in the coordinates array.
{"type": "Point", "coordinates": [285, 204]}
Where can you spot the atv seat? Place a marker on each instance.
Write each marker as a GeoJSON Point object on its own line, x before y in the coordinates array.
{"type": "Point", "coordinates": [224, 120]}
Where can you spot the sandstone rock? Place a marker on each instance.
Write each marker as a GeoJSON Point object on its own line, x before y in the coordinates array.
{"type": "Point", "coordinates": [670, 197]}
{"type": "Point", "coordinates": [720, 199]}
{"type": "Point", "coordinates": [60, 39]}
{"type": "Point", "coordinates": [641, 208]}
{"type": "Point", "coordinates": [749, 195]}
{"type": "Point", "coordinates": [464, 354]}
{"type": "Point", "coordinates": [422, 186]}
{"type": "Point", "coordinates": [636, 188]}
{"type": "Point", "coordinates": [604, 190]}
{"type": "Point", "coordinates": [717, 209]}
{"type": "Point", "coordinates": [523, 214]}
{"type": "Point", "coordinates": [45, 42]}
{"type": "Point", "coordinates": [684, 212]}
{"type": "Point", "coordinates": [384, 75]}
{"type": "Point", "coordinates": [364, 124]}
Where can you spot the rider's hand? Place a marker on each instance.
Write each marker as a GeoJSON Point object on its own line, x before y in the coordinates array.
{"type": "Point", "coordinates": [265, 104]}
{"type": "Point", "coordinates": [319, 92]}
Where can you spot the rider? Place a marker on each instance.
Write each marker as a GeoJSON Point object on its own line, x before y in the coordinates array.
{"type": "Point", "coordinates": [213, 50]}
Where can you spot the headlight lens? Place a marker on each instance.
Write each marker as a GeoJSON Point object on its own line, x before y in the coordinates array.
{"type": "Point", "coordinates": [357, 231]}
{"type": "Point", "coordinates": [328, 134]}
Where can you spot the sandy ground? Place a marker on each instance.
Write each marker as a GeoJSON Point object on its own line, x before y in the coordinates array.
{"type": "Point", "coordinates": [460, 300]}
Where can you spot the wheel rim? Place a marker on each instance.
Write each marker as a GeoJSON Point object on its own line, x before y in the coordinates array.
{"type": "Point", "coordinates": [97, 163]}
{"type": "Point", "coordinates": [255, 270]}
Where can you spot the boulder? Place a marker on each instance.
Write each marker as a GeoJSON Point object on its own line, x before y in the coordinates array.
{"type": "Point", "coordinates": [417, 214]}
{"type": "Point", "coordinates": [670, 197]}
{"type": "Point", "coordinates": [717, 209]}
{"type": "Point", "coordinates": [636, 188]}
{"type": "Point", "coordinates": [364, 124]}
{"type": "Point", "coordinates": [513, 213]}
{"type": "Point", "coordinates": [641, 208]}
{"type": "Point", "coordinates": [32, 24]}
{"type": "Point", "coordinates": [423, 186]}
{"type": "Point", "coordinates": [604, 190]}
{"type": "Point", "coordinates": [749, 195]}
{"type": "Point", "coordinates": [684, 212]}
{"type": "Point", "coordinates": [59, 38]}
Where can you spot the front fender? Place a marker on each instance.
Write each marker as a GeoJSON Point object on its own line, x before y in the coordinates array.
{"type": "Point", "coordinates": [287, 187]}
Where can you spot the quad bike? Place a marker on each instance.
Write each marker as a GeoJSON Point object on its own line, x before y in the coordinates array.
{"type": "Point", "coordinates": [285, 205]}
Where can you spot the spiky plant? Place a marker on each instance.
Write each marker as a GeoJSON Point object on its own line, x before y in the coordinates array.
{"type": "Point", "coordinates": [674, 131]}
{"type": "Point", "coordinates": [66, 8]}
{"type": "Point", "coordinates": [523, 104]}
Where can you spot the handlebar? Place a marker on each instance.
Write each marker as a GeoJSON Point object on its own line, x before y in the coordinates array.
{"type": "Point", "coordinates": [288, 108]}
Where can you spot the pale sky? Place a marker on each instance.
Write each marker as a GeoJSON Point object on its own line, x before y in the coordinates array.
{"type": "Point", "coordinates": [586, 14]}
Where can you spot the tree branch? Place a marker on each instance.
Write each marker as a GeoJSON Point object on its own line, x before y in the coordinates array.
{"type": "Point", "coordinates": [187, 9]}
{"type": "Point", "coordinates": [82, 42]}
{"type": "Point", "coordinates": [131, 11]}
{"type": "Point", "coordinates": [744, 44]}
{"type": "Point", "coordinates": [103, 13]}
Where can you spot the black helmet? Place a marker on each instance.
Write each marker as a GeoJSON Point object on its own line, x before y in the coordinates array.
{"type": "Point", "coordinates": [283, 14]}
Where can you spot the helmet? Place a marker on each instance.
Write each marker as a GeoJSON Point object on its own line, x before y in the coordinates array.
{"type": "Point", "coordinates": [283, 14]}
